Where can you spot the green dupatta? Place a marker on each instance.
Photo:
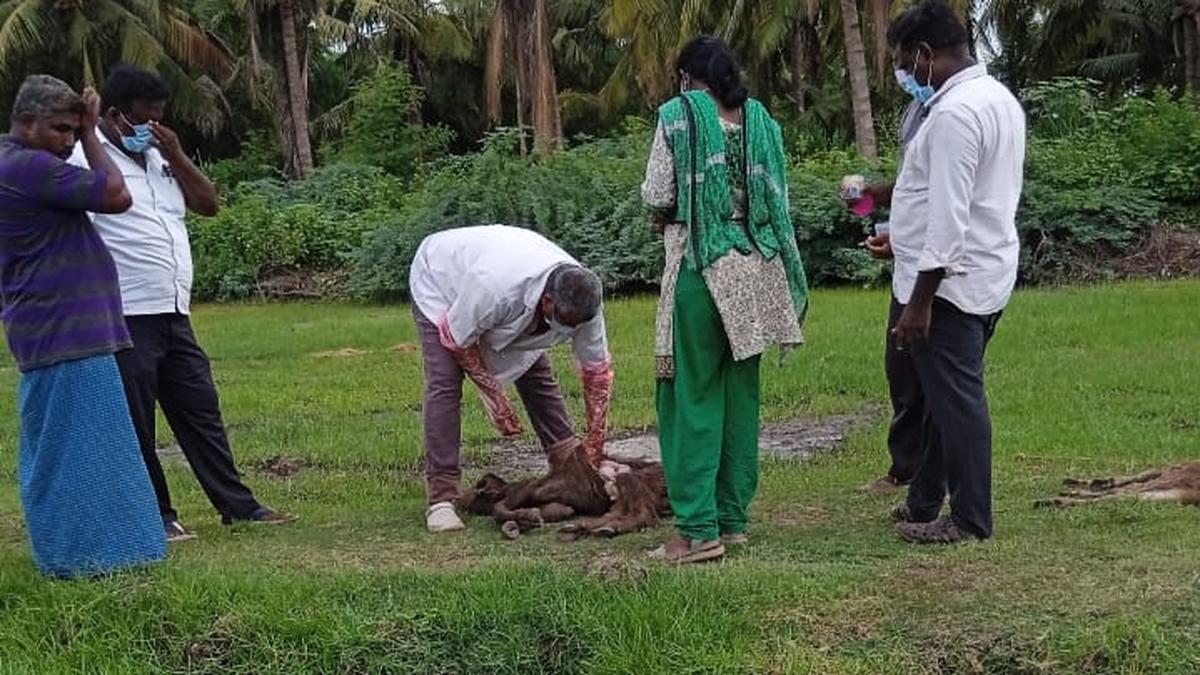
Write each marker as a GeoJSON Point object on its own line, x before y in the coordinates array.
{"type": "Point", "coordinates": [693, 127]}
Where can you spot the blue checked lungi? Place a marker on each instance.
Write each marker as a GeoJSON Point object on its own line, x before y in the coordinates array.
{"type": "Point", "coordinates": [89, 506]}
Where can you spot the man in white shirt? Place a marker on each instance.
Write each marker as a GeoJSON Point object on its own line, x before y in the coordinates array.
{"type": "Point", "coordinates": [488, 302]}
{"type": "Point", "coordinates": [149, 244]}
{"type": "Point", "coordinates": [954, 239]}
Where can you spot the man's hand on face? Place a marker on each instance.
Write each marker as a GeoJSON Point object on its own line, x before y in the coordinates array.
{"type": "Point", "coordinates": [166, 141]}
{"type": "Point", "coordinates": [880, 246]}
{"type": "Point", "coordinates": [91, 115]}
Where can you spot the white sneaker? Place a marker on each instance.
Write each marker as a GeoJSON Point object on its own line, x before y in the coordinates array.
{"type": "Point", "coordinates": [441, 518]}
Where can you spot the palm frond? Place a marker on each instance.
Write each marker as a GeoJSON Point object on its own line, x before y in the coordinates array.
{"type": "Point", "coordinates": [1112, 67]}
{"type": "Point", "coordinates": [26, 29]}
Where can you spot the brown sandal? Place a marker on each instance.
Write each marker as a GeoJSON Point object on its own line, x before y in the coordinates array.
{"type": "Point", "coordinates": [697, 551]}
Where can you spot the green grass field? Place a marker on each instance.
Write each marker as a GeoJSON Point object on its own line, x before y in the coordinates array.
{"type": "Point", "coordinates": [1088, 381]}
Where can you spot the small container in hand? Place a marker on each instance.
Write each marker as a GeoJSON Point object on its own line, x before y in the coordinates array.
{"type": "Point", "coordinates": [853, 187]}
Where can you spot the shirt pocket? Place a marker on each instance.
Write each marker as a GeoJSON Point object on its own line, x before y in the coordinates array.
{"type": "Point", "coordinates": [170, 198]}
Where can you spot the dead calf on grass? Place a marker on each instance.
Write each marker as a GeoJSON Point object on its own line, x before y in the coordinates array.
{"type": "Point", "coordinates": [1178, 483]}
{"type": "Point", "coordinates": [635, 500]}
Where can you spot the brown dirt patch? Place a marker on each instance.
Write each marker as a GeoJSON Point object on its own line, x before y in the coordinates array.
{"type": "Point", "coordinates": [792, 516]}
{"type": "Point", "coordinates": [215, 647]}
{"type": "Point", "coordinates": [405, 348]}
{"type": "Point", "coordinates": [797, 439]}
{"type": "Point", "coordinates": [612, 568]}
{"type": "Point", "coordinates": [280, 466]}
{"type": "Point", "coordinates": [339, 353]}
{"type": "Point", "coordinates": [12, 529]}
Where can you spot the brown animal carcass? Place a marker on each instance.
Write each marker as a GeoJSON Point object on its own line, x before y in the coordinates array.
{"type": "Point", "coordinates": [633, 501]}
{"type": "Point", "coordinates": [1178, 483]}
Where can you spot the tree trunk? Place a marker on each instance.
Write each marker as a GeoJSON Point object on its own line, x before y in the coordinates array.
{"type": "Point", "coordinates": [860, 88]}
{"type": "Point", "coordinates": [300, 158]}
{"type": "Point", "coordinates": [493, 68]}
{"type": "Point", "coordinates": [404, 51]}
{"type": "Point", "coordinates": [1191, 46]}
{"type": "Point", "coordinates": [520, 91]}
{"type": "Point", "coordinates": [880, 17]}
{"type": "Point", "coordinates": [803, 61]}
{"type": "Point", "coordinates": [547, 122]}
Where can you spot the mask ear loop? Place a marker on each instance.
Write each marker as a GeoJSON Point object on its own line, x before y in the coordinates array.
{"type": "Point", "coordinates": [929, 60]}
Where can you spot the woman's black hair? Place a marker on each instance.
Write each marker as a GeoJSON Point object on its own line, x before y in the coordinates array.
{"type": "Point", "coordinates": [710, 61]}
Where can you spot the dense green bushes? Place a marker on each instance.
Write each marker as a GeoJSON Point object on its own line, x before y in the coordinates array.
{"type": "Point", "coordinates": [1098, 175]}
{"type": "Point", "coordinates": [269, 226]}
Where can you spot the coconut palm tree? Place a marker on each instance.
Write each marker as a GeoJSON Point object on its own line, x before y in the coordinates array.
{"type": "Point", "coordinates": [797, 33]}
{"type": "Point", "coordinates": [272, 40]}
{"type": "Point", "coordinates": [78, 40]}
{"type": "Point", "coordinates": [520, 43]}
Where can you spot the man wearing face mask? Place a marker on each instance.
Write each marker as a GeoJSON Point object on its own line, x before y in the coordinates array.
{"type": "Point", "coordinates": [954, 240]}
{"type": "Point", "coordinates": [149, 243]}
{"type": "Point", "coordinates": [488, 302]}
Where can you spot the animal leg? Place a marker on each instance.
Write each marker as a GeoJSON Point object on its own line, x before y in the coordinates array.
{"type": "Point", "coordinates": [1113, 482]}
{"type": "Point", "coordinates": [1063, 502]}
{"type": "Point", "coordinates": [1172, 495]}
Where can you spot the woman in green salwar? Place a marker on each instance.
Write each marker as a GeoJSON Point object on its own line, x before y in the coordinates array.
{"type": "Point", "coordinates": [733, 285]}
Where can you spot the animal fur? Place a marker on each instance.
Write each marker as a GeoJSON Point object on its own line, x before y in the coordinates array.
{"type": "Point", "coordinates": [573, 489]}
{"type": "Point", "coordinates": [1178, 483]}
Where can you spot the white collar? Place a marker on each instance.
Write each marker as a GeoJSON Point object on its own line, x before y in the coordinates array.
{"type": "Point", "coordinates": [965, 75]}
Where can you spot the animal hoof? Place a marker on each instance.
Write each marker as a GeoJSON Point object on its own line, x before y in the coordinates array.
{"type": "Point", "coordinates": [510, 529]}
{"type": "Point", "coordinates": [604, 531]}
{"type": "Point", "coordinates": [570, 533]}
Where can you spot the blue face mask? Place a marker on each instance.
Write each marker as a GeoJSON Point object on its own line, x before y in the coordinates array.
{"type": "Point", "coordinates": [922, 93]}
{"type": "Point", "coordinates": [141, 139]}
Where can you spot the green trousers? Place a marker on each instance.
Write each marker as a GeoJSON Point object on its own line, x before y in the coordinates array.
{"type": "Point", "coordinates": [708, 420]}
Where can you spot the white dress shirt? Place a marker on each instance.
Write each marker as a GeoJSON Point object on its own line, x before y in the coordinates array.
{"type": "Point", "coordinates": [149, 242]}
{"type": "Point", "coordinates": [955, 202]}
{"type": "Point", "coordinates": [486, 283]}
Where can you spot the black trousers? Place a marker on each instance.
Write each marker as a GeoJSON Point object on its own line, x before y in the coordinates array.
{"type": "Point", "coordinates": [167, 366]}
{"type": "Point", "coordinates": [957, 430]}
{"type": "Point", "coordinates": [908, 405]}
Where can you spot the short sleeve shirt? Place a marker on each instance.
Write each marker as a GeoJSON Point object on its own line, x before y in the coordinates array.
{"type": "Point", "coordinates": [58, 283]}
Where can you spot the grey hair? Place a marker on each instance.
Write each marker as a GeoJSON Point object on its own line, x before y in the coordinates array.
{"type": "Point", "coordinates": [42, 95]}
{"type": "Point", "coordinates": [576, 291]}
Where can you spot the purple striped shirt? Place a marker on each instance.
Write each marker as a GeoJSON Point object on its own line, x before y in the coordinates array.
{"type": "Point", "coordinates": [57, 280]}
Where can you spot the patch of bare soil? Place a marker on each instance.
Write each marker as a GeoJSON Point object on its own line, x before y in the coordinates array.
{"type": "Point", "coordinates": [339, 353]}
{"type": "Point", "coordinates": [612, 568]}
{"type": "Point", "coordinates": [280, 466]}
{"type": "Point", "coordinates": [349, 352]}
{"type": "Point", "coordinates": [795, 440]}
{"type": "Point", "coordinates": [792, 515]}
{"type": "Point", "coordinates": [12, 529]}
{"type": "Point", "coordinates": [172, 454]}
{"type": "Point", "coordinates": [215, 647]}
